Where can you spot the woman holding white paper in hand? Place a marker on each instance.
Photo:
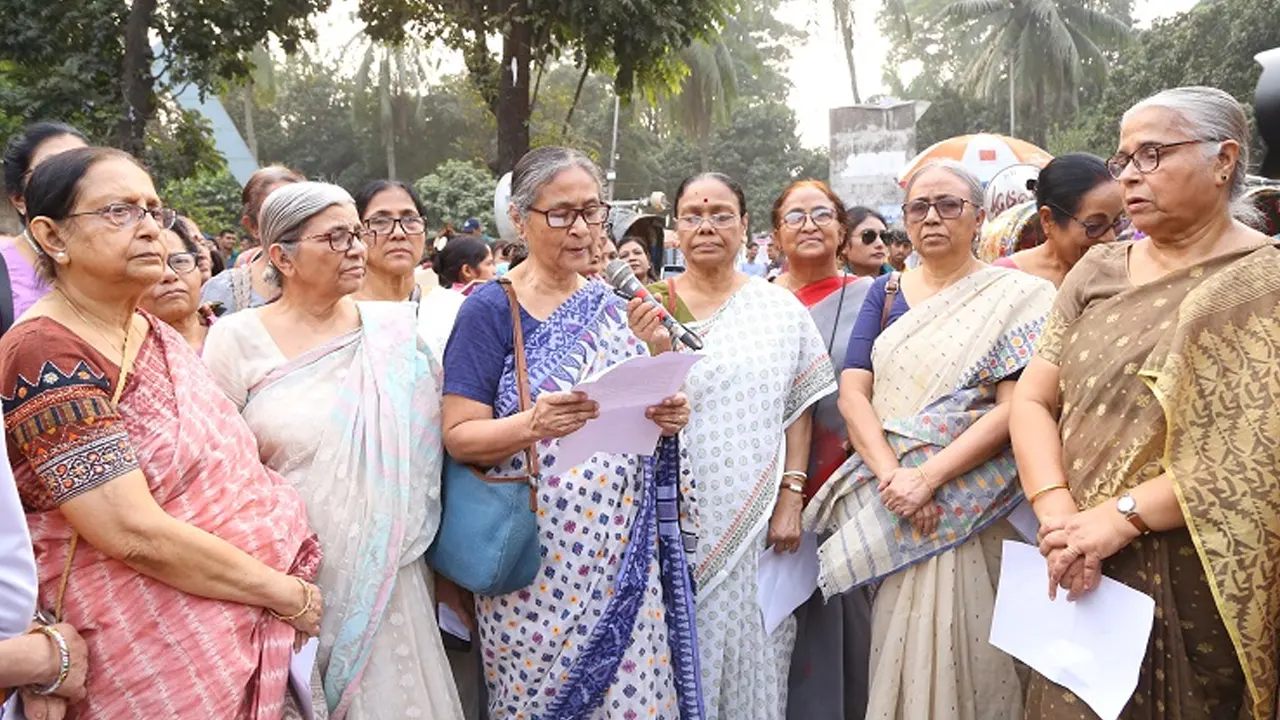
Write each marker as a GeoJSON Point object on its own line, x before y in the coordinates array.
{"type": "Point", "coordinates": [611, 569]}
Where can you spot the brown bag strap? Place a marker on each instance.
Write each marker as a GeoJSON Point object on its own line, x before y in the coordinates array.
{"type": "Point", "coordinates": [522, 387]}
{"type": "Point", "coordinates": [891, 287]}
{"type": "Point", "coordinates": [125, 367]}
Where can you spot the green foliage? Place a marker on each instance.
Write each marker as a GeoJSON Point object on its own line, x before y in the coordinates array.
{"type": "Point", "coordinates": [455, 191]}
{"type": "Point", "coordinates": [212, 199]}
{"type": "Point", "coordinates": [1211, 44]}
{"type": "Point", "coordinates": [180, 145]}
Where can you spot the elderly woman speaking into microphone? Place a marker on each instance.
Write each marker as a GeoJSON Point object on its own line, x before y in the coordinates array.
{"type": "Point", "coordinates": [606, 629]}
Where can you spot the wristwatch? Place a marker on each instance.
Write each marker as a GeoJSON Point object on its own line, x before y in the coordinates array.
{"type": "Point", "coordinates": [1128, 507]}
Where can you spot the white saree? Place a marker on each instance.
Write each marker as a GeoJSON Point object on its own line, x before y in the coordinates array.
{"type": "Point", "coordinates": [765, 366]}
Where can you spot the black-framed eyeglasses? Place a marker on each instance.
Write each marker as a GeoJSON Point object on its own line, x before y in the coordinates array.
{"type": "Point", "coordinates": [1095, 230]}
{"type": "Point", "coordinates": [1145, 159]}
{"type": "Point", "coordinates": [821, 216]}
{"type": "Point", "coordinates": [340, 239]}
{"type": "Point", "coordinates": [410, 224]}
{"type": "Point", "coordinates": [123, 215]}
{"type": "Point", "coordinates": [869, 236]}
{"type": "Point", "coordinates": [719, 221]}
{"type": "Point", "coordinates": [183, 262]}
{"type": "Point", "coordinates": [566, 217]}
{"type": "Point", "coordinates": [948, 207]}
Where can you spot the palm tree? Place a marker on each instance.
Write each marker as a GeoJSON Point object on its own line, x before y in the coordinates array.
{"type": "Point", "coordinates": [402, 68]}
{"type": "Point", "coordinates": [846, 25]}
{"type": "Point", "coordinates": [1045, 49]}
{"type": "Point", "coordinates": [705, 94]}
{"type": "Point", "coordinates": [257, 89]}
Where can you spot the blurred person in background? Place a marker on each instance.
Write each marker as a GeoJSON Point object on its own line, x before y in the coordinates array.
{"type": "Point", "coordinates": [246, 285]}
{"type": "Point", "coordinates": [866, 253]}
{"type": "Point", "coordinates": [176, 298]}
{"type": "Point", "coordinates": [37, 143]}
{"type": "Point", "coordinates": [899, 246]}
{"type": "Point", "coordinates": [752, 266]}
{"type": "Point", "coordinates": [227, 241]}
{"type": "Point", "coordinates": [465, 263]}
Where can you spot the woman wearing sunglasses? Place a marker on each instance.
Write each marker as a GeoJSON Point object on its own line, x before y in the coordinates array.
{"type": "Point", "coordinates": [866, 252]}
{"type": "Point", "coordinates": [344, 400]}
{"type": "Point", "coordinates": [930, 366]}
{"type": "Point", "coordinates": [1080, 205]}
{"type": "Point", "coordinates": [176, 298]}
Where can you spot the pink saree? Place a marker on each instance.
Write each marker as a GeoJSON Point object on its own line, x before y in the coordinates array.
{"type": "Point", "coordinates": [155, 652]}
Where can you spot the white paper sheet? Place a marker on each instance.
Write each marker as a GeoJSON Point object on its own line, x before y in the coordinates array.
{"type": "Point", "coordinates": [301, 665]}
{"type": "Point", "coordinates": [1093, 647]}
{"type": "Point", "coordinates": [786, 580]}
{"type": "Point", "coordinates": [451, 623]}
{"type": "Point", "coordinates": [624, 392]}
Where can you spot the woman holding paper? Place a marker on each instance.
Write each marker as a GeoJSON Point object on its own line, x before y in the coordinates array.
{"type": "Point", "coordinates": [606, 630]}
{"type": "Point", "coordinates": [919, 508]}
{"type": "Point", "coordinates": [1146, 425]}
{"type": "Point", "coordinates": [829, 667]}
{"type": "Point", "coordinates": [765, 367]}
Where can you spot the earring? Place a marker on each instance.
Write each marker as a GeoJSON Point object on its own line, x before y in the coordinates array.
{"type": "Point", "coordinates": [60, 255]}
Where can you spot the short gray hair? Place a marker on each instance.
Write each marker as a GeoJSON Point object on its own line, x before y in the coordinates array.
{"type": "Point", "coordinates": [976, 194]}
{"type": "Point", "coordinates": [288, 208]}
{"type": "Point", "coordinates": [1210, 115]}
{"type": "Point", "coordinates": [539, 167]}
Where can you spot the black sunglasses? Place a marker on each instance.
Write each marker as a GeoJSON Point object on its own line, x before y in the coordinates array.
{"type": "Point", "coordinates": [869, 236]}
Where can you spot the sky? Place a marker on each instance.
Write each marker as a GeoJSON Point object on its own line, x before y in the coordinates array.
{"type": "Point", "coordinates": [817, 69]}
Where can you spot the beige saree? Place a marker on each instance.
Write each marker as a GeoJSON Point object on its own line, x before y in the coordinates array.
{"type": "Point", "coordinates": [1181, 375]}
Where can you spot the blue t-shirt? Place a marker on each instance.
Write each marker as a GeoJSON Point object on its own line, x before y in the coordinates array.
{"type": "Point", "coordinates": [480, 343]}
{"type": "Point", "coordinates": [867, 327]}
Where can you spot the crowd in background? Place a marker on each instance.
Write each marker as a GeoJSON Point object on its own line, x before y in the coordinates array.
{"type": "Point", "coordinates": [223, 449]}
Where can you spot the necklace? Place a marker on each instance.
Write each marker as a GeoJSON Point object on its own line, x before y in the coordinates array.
{"type": "Point", "coordinates": [128, 329]}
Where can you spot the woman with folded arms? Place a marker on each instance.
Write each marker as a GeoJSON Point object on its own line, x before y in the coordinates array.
{"type": "Point", "coordinates": [141, 484]}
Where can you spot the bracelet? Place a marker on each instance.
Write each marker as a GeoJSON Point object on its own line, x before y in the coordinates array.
{"type": "Point", "coordinates": [798, 474]}
{"type": "Point", "coordinates": [1048, 488]}
{"type": "Point", "coordinates": [793, 486]}
{"type": "Point", "coordinates": [64, 659]}
{"type": "Point", "coordinates": [306, 607]}
{"type": "Point", "coordinates": [927, 480]}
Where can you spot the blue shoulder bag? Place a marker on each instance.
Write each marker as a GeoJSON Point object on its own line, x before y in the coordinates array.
{"type": "Point", "coordinates": [488, 536]}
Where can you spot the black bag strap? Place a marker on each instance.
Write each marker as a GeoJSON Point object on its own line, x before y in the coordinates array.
{"type": "Point", "coordinates": [6, 297]}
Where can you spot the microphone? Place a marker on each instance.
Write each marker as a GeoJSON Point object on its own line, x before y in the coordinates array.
{"type": "Point", "coordinates": [624, 280]}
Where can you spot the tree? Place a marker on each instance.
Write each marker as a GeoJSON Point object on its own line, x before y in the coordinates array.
{"type": "Point", "coordinates": [1212, 44]}
{"type": "Point", "coordinates": [97, 55]}
{"type": "Point", "coordinates": [401, 71]}
{"type": "Point", "coordinates": [1044, 50]}
{"type": "Point", "coordinates": [706, 93]}
{"type": "Point", "coordinates": [846, 24]}
{"type": "Point", "coordinates": [635, 41]}
{"type": "Point", "coordinates": [456, 191]}
{"type": "Point", "coordinates": [212, 199]}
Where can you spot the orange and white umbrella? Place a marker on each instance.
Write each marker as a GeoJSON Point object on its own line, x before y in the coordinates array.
{"type": "Point", "coordinates": [984, 154]}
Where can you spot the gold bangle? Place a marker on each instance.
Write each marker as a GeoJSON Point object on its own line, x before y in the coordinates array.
{"type": "Point", "coordinates": [306, 606]}
{"type": "Point", "coordinates": [1048, 488]}
{"type": "Point", "coordinates": [927, 480]}
{"type": "Point", "coordinates": [798, 474]}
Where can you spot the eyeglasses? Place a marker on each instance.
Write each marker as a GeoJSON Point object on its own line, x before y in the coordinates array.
{"type": "Point", "coordinates": [1095, 230]}
{"type": "Point", "coordinates": [869, 236]}
{"type": "Point", "coordinates": [1146, 159]}
{"type": "Point", "coordinates": [183, 262]}
{"type": "Point", "coordinates": [124, 215]}
{"type": "Point", "coordinates": [566, 217]}
{"type": "Point", "coordinates": [719, 221]}
{"type": "Point", "coordinates": [821, 216]}
{"type": "Point", "coordinates": [949, 208]}
{"type": "Point", "coordinates": [410, 224]}
{"type": "Point", "coordinates": [340, 239]}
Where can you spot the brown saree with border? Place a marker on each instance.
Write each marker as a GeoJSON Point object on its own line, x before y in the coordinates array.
{"type": "Point", "coordinates": [1181, 376]}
